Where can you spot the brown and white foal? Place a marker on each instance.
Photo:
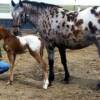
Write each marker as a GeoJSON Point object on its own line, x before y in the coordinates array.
{"type": "Point", "coordinates": [14, 45]}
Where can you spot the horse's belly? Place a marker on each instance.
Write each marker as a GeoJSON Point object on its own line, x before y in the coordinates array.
{"type": "Point", "coordinates": [74, 44]}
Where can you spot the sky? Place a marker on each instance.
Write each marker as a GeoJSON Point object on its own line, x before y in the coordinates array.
{"type": "Point", "coordinates": [62, 2]}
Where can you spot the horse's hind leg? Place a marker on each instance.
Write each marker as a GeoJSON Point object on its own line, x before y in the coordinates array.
{"type": "Point", "coordinates": [64, 62]}
{"type": "Point", "coordinates": [44, 66]}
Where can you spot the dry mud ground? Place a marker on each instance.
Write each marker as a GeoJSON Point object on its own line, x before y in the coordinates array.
{"type": "Point", "coordinates": [83, 65]}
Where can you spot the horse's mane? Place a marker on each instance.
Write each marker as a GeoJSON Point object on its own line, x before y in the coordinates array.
{"type": "Point", "coordinates": [40, 4]}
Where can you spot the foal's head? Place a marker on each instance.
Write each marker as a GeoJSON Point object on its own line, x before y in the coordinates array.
{"type": "Point", "coordinates": [3, 33]}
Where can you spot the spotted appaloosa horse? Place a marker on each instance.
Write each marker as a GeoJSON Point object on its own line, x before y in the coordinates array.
{"type": "Point", "coordinates": [60, 28]}
{"type": "Point", "coordinates": [15, 45]}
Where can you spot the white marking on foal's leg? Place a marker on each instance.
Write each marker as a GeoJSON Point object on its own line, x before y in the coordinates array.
{"type": "Point", "coordinates": [45, 84]}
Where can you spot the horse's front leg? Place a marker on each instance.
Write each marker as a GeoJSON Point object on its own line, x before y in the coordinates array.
{"type": "Point", "coordinates": [51, 64]}
{"type": "Point", "coordinates": [11, 57]}
{"type": "Point", "coordinates": [62, 52]}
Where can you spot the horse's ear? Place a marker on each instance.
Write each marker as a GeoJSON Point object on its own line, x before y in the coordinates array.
{"type": "Point", "coordinates": [20, 3]}
{"type": "Point", "coordinates": [13, 3]}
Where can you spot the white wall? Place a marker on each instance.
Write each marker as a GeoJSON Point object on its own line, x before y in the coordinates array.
{"type": "Point", "coordinates": [5, 16]}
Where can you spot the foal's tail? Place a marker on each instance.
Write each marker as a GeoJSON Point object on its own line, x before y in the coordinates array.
{"type": "Point", "coordinates": [42, 48]}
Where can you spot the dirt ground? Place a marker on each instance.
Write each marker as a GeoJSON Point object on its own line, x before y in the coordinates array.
{"type": "Point", "coordinates": [84, 68]}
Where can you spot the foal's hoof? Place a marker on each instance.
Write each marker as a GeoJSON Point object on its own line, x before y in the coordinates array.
{"type": "Point", "coordinates": [9, 83]}
{"type": "Point", "coordinates": [98, 86]}
{"type": "Point", "coordinates": [45, 84]}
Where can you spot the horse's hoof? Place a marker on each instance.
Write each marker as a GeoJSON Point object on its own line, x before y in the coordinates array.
{"type": "Point", "coordinates": [50, 84]}
{"type": "Point", "coordinates": [98, 86]}
{"type": "Point", "coordinates": [66, 80]}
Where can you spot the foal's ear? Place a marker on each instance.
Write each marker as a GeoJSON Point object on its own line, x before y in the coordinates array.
{"type": "Point", "coordinates": [13, 3]}
{"type": "Point", "coordinates": [20, 3]}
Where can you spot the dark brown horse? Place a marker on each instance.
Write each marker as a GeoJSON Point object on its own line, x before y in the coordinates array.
{"type": "Point", "coordinates": [60, 28]}
{"type": "Point", "coordinates": [15, 45]}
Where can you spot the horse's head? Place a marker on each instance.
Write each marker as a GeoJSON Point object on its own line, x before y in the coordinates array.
{"type": "Point", "coordinates": [18, 13]}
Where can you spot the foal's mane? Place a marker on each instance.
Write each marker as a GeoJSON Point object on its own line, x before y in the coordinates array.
{"type": "Point", "coordinates": [40, 4]}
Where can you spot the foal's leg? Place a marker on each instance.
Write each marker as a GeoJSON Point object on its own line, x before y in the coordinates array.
{"type": "Point", "coordinates": [44, 66]}
{"type": "Point", "coordinates": [11, 57]}
{"type": "Point", "coordinates": [51, 64]}
{"type": "Point", "coordinates": [63, 60]}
